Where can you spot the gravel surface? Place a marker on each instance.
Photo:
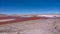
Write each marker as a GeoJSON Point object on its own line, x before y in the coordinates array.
{"type": "Point", "coordinates": [40, 26]}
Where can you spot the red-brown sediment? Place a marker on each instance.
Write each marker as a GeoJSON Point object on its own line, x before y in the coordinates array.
{"type": "Point", "coordinates": [17, 19]}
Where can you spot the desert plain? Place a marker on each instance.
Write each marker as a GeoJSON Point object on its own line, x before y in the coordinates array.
{"type": "Point", "coordinates": [30, 25]}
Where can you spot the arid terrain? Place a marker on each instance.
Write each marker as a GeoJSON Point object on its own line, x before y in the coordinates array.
{"type": "Point", "coordinates": [30, 25]}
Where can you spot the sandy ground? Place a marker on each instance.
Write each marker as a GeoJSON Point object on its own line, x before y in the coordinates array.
{"type": "Point", "coordinates": [40, 26]}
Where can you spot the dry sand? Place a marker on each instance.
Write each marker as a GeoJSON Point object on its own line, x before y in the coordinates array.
{"type": "Point", "coordinates": [39, 26]}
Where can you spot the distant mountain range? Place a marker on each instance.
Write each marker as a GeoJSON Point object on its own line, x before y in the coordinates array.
{"type": "Point", "coordinates": [30, 15]}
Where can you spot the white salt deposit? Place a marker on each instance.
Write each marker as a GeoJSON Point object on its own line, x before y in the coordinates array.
{"type": "Point", "coordinates": [6, 20]}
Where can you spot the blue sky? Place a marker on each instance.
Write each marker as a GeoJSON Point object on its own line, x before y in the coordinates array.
{"type": "Point", "coordinates": [30, 6]}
